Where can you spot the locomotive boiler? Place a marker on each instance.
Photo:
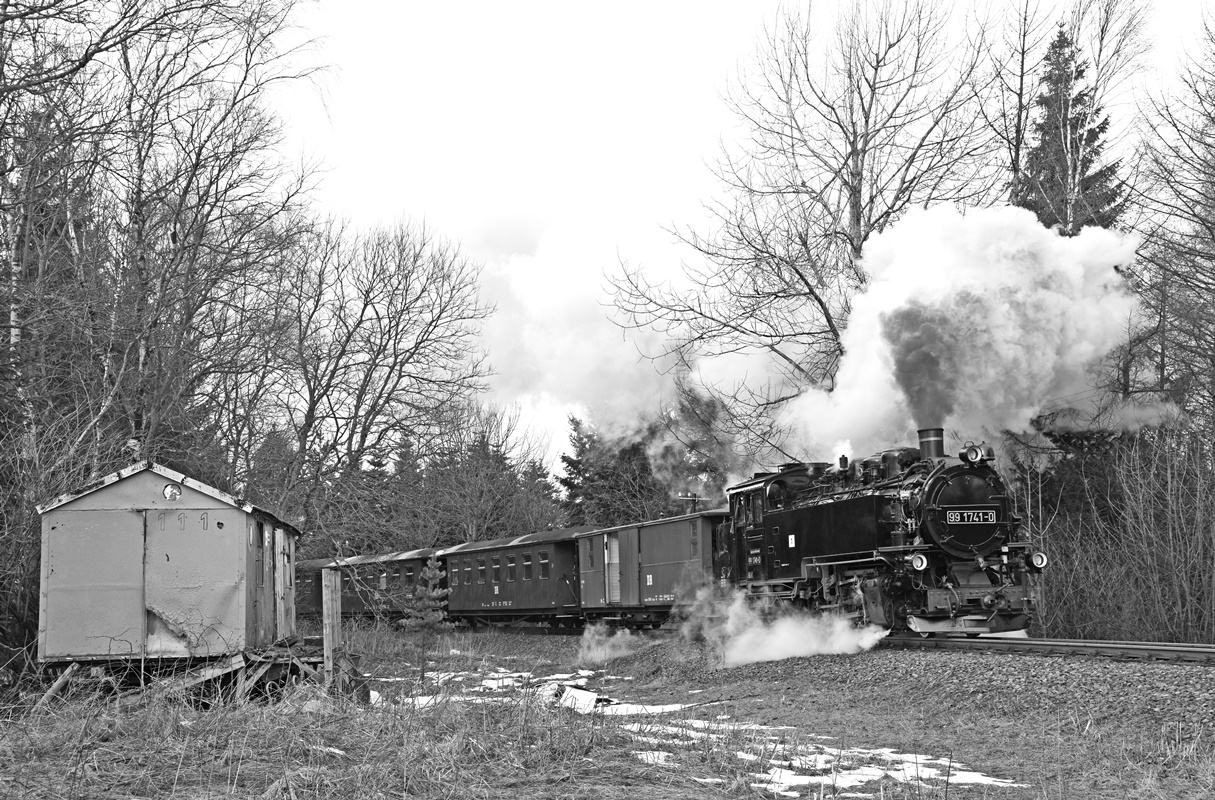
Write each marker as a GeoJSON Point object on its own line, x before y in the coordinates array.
{"type": "Point", "coordinates": [907, 539]}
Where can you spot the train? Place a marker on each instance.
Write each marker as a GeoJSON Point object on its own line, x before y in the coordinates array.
{"type": "Point", "coordinates": [910, 539]}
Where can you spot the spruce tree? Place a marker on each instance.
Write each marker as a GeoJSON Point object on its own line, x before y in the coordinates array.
{"type": "Point", "coordinates": [1064, 182]}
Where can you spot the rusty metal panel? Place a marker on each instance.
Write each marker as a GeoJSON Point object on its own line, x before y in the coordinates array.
{"type": "Point", "coordinates": [284, 582]}
{"type": "Point", "coordinates": [260, 599]}
{"type": "Point", "coordinates": [193, 582]}
{"type": "Point", "coordinates": [92, 603]}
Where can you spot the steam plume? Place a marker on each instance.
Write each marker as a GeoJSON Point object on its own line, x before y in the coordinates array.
{"type": "Point", "coordinates": [739, 635]}
{"type": "Point", "coordinates": [970, 321]}
{"type": "Point", "coordinates": [600, 644]}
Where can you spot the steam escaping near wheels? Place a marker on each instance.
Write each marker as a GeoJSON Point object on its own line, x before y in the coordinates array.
{"type": "Point", "coordinates": [739, 633]}
{"type": "Point", "coordinates": [601, 644]}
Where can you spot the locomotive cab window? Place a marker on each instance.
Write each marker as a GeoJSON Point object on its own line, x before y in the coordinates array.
{"type": "Point", "coordinates": [527, 566]}
{"type": "Point", "coordinates": [544, 565]}
{"type": "Point", "coordinates": [480, 570]}
{"type": "Point", "coordinates": [510, 569]}
{"type": "Point", "coordinates": [497, 573]}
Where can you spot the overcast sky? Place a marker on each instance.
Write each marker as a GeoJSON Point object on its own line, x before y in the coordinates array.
{"type": "Point", "coordinates": [551, 140]}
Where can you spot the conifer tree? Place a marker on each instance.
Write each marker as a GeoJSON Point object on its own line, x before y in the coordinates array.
{"type": "Point", "coordinates": [1064, 181]}
{"type": "Point", "coordinates": [424, 607]}
{"type": "Point", "coordinates": [613, 482]}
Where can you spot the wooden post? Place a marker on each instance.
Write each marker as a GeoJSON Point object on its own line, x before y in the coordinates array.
{"type": "Point", "coordinates": [57, 687]}
{"type": "Point", "coordinates": [331, 617]}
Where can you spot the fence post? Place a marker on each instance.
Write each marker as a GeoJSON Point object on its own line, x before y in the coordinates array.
{"type": "Point", "coordinates": [331, 616]}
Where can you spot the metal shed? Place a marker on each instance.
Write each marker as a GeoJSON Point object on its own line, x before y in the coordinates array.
{"type": "Point", "coordinates": [149, 563]}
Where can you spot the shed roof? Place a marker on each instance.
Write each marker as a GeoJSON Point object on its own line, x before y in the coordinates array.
{"type": "Point", "coordinates": [168, 474]}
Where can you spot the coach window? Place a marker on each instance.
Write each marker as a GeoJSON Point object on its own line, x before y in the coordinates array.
{"type": "Point", "coordinates": [497, 569]}
{"type": "Point", "coordinates": [467, 572]}
{"type": "Point", "coordinates": [480, 570]}
{"type": "Point", "coordinates": [695, 540]}
{"type": "Point", "coordinates": [383, 581]}
{"type": "Point", "coordinates": [510, 569]}
{"type": "Point", "coordinates": [396, 575]}
{"type": "Point", "coordinates": [543, 565]}
{"type": "Point", "coordinates": [409, 576]}
{"type": "Point", "coordinates": [454, 580]}
{"type": "Point", "coordinates": [527, 566]}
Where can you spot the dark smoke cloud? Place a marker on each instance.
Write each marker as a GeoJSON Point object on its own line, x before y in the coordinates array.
{"type": "Point", "coordinates": [924, 349]}
{"type": "Point", "coordinates": [972, 321]}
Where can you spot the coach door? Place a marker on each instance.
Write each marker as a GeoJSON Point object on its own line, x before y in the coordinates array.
{"type": "Point", "coordinates": [611, 566]}
{"type": "Point", "coordinates": [621, 571]}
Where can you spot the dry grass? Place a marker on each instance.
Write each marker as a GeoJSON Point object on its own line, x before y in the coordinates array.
{"type": "Point", "coordinates": [308, 745]}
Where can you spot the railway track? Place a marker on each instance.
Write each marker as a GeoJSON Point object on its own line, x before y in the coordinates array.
{"type": "Point", "coordinates": [1139, 651]}
{"type": "Point", "coordinates": [1126, 651]}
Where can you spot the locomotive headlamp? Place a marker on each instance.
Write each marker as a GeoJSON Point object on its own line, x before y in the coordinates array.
{"type": "Point", "coordinates": [1037, 559]}
{"type": "Point", "coordinates": [918, 562]}
{"type": "Point", "coordinates": [972, 454]}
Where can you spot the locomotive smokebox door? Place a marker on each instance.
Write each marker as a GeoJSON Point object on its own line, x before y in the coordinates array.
{"type": "Point", "coordinates": [965, 513]}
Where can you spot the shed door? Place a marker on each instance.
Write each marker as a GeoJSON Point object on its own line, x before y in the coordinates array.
{"type": "Point", "coordinates": [284, 583]}
{"type": "Point", "coordinates": [93, 601]}
{"type": "Point", "coordinates": [611, 566]}
{"type": "Point", "coordinates": [191, 583]}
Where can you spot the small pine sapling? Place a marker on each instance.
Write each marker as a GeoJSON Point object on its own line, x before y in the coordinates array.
{"type": "Point", "coordinates": [424, 608]}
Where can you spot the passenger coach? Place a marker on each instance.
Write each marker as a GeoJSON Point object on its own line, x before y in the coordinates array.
{"type": "Point", "coordinates": [515, 581]}
{"type": "Point", "coordinates": [371, 585]}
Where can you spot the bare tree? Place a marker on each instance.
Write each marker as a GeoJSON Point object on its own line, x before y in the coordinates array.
{"type": "Point", "coordinates": [142, 205]}
{"type": "Point", "coordinates": [382, 343]}
{"type": "Point", "coordinates": [845, 136]}
{"type": "Point", "coordinates": [1006, 91]}
{"type": "Point", "coordinates": [1176, 274]}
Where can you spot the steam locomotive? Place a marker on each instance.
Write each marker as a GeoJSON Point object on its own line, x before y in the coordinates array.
{"type": "Point", "coordinates": [907, 539]}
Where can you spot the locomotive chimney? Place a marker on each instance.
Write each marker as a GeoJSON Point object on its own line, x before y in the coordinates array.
{"type": "Point", "coordinates": [932, 442]}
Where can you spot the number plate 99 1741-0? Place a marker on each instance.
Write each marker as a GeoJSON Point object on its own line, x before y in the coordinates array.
{"type": "Point", "coordinates": [984, 517]}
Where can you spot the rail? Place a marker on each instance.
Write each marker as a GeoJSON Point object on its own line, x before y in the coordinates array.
{"type": "Point", "coordinates": [1144, 651]}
